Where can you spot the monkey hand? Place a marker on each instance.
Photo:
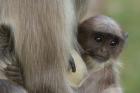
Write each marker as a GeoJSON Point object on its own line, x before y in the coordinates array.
{"type": "Point", "coordinates": [14, 73]}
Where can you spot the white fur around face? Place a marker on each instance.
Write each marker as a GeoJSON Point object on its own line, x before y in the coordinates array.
{"type": "Point", "coordinates": [113, 90]}
{"type": "Point", "coordinates": [94, 66]}
{"type": "Point", "coordinates": [84, 69]}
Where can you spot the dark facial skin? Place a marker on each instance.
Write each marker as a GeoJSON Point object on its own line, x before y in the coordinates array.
{"type": "Point", "coordinates": [101, 46]}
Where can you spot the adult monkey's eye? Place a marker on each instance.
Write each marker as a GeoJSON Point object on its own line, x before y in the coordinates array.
{"type": "Point", "coordinates": [114, 42]}
{"type": "Point", "coordinates": [98, 37]}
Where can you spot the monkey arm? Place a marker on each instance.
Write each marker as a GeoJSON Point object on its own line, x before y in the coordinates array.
{"type": "Point", "coordinates": [110, 81]}
{"type": "Point", "coordinates": [105, 80]}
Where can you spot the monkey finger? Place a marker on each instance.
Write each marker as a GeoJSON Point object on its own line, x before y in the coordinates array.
{"type": "Point", "coordinates": [11, 73]}
{"type": "Point", "coordinates": [15, 78]}
{"type": "Point", "coordinates": [15, 64]}
{"type": "Point", "coordinates": [12, 68]}
{"type": "Point", "coordinates": [20, 82]}
{"type": "Point", "coordinates": [18, 78]}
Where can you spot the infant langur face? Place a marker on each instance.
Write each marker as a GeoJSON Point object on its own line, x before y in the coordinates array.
{"type": "Point", "coordinates": [102, 40]}
{"type": "Point", "coordinates": [103, 46]}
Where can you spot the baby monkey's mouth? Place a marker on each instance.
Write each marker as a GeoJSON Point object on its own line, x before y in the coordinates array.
{"type": "Point", "coordinates": [100, 59]}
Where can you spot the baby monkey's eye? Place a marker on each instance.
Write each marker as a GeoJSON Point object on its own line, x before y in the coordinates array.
{"type": "Point", "coordinates": [98, 37]}
{"type": "Point", "coordinates": [114, 42]}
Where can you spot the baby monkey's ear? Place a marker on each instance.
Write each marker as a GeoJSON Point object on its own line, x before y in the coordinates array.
{"type": "Point", "coordinates": [125, 35]}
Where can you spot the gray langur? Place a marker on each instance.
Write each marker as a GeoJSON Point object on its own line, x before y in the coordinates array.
{"type": "Point", "coordinates": [39, 36]}
{"type": "Point", "coordinates": [102, 41]}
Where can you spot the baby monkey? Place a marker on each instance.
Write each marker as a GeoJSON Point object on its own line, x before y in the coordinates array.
{"type": "Point", "coordinates": [102, 41]}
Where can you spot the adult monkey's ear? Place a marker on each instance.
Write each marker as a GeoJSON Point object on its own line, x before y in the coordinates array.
{"type": "Point", "coordinates": [6, 40]}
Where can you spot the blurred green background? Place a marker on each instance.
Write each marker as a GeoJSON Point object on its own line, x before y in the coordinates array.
{"type": "Point", "coordinates": [127, 13]}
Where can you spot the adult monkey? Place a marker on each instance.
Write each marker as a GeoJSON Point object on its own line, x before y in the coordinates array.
{"type": "Point", "coordinates": [42, 33]}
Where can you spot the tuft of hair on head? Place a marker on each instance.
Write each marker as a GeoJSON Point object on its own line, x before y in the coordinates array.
{"type": "Point", "coordinates": [104, 24]}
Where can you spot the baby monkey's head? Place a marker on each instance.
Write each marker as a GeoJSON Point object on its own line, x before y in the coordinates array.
{"type": "Point", "coordinates": [101, 38]}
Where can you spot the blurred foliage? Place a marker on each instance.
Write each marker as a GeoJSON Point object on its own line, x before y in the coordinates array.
{"type": "Point", "coordinates": [127, 13]}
